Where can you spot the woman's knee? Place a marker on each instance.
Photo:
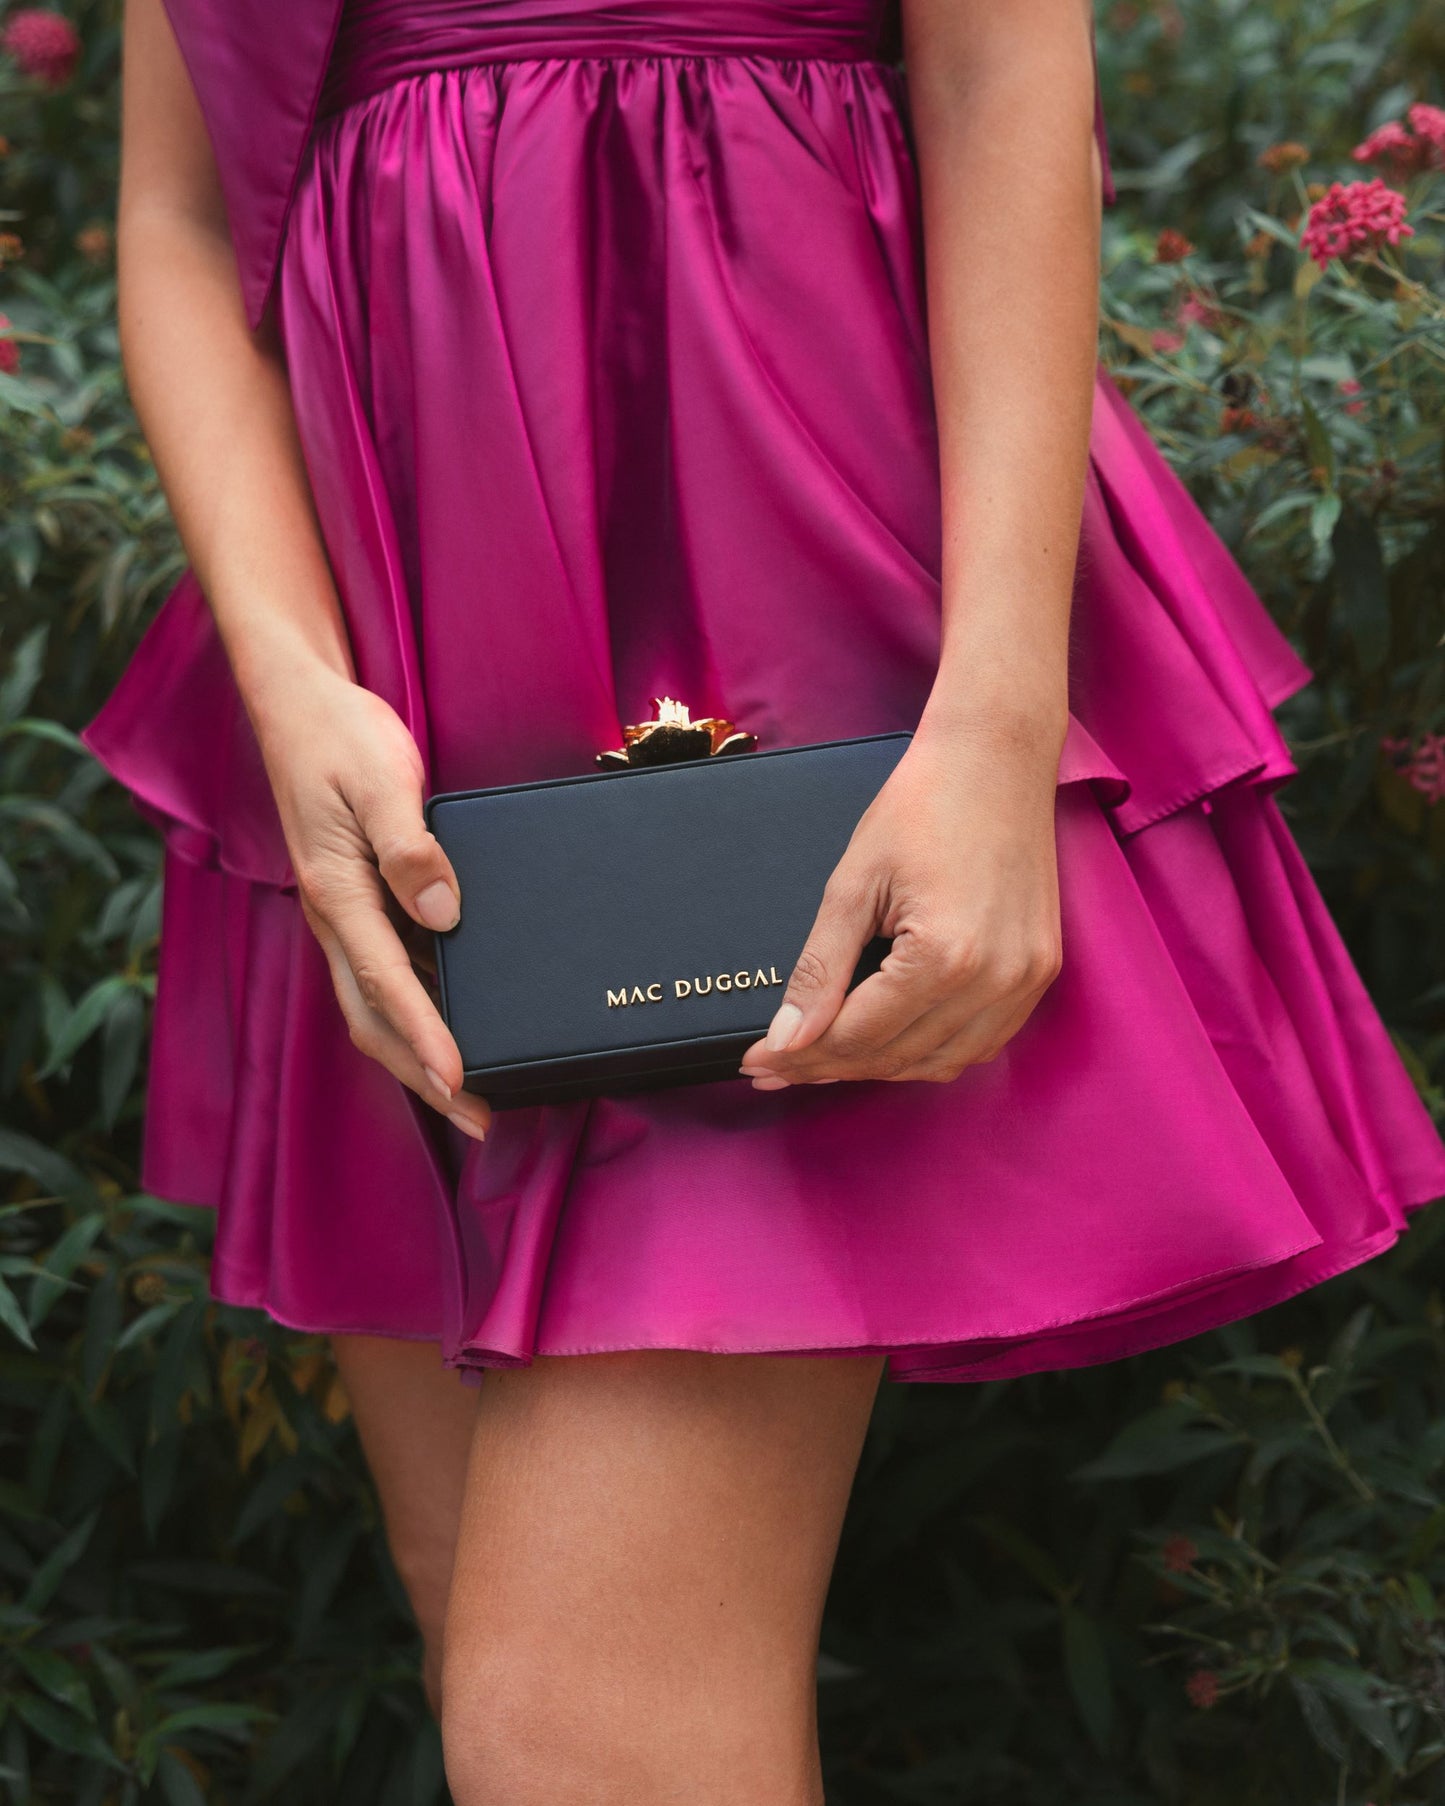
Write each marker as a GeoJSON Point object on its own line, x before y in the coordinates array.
{"type": "Point", "coordinates": [510, 1740]}
{"type": "Point", "coordinates": [644, 1552]}
{"type": "Point", "coordinates": [522, 1732]}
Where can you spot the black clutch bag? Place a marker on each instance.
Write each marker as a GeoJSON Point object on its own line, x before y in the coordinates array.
{"type": "Point", "coordinates": [635, 928]}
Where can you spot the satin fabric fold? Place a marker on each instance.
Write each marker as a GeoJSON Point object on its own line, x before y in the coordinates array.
{"type": "Point", "coordinates": [612, 380]}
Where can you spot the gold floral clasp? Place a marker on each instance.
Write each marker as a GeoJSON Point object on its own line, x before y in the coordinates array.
{"type": "Point", "coordinates": [673, 735]}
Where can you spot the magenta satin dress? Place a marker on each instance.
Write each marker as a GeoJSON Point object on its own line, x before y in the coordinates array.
{"type": "Point", "coordinates": [604, 322]}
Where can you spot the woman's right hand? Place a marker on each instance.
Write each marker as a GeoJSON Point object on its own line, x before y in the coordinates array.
{"type": "Point", "coordinates": [347, 778]}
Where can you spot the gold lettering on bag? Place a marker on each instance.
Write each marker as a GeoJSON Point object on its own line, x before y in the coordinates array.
{"type": "Point", "coordinates": [744, 980]}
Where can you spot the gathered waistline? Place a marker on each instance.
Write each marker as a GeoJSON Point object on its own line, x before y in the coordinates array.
{"type": "Point", "coordinates": [381, 42]}
{"type": "Point", "coordinates": [344, 87]}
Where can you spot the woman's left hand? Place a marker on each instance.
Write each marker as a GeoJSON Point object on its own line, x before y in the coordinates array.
{"type": "Point", "coordinates": [955, 861]}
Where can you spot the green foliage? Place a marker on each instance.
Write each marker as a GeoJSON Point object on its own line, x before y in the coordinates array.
{"type": "Point", "coordinates": [1210, 1575]}
{"type": "Point", "coordinates": [1304, 409]}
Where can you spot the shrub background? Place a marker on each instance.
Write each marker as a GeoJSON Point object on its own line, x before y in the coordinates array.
{"type": "Point", "coordinates": [1211, 1574]}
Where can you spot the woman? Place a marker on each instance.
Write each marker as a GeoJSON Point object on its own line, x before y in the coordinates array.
{"type": "Point", "coordinates": [509, 363]}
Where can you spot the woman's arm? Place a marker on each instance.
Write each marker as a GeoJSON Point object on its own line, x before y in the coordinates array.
{"type": "Point", "coordinates": [214, 403]}
{"type": "Point", "coordinates": [955, 860]}
{"type": "Point", "coordinates": [1002, 98]}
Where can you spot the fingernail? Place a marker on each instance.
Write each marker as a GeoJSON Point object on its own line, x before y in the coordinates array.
{"type": "Point", "coordinates": [436, 1079]}
{"type": "Point", "coordinates": [771, 1082]}
{"type": "Point", "coordinates": [783, 1027]}
{"type": "Point", "coordinates": [437, 906]}
{"type": "Point", "coordinates": [467, 1126]}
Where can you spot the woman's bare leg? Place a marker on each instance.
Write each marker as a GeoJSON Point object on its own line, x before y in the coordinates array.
{"type": "Point", "coordinates": [645, 1547]}
{"type": "Point", "coordinates": [415, 1419]}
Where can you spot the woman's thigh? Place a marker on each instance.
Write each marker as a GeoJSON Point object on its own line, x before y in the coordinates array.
{"type": "Point", "coordinates": [645, 1547]}
{"type": "Point", "coordinates": [415, 1420]}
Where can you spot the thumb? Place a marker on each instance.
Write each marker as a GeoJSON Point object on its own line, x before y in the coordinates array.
{"type": "Point", "coordinates": [417, 871]}
{"type": "Point", "coordinates": [819, 982]}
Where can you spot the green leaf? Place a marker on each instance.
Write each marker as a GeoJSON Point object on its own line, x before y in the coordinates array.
{"type": "Point", "coordinates": [54, 1675]}
{"type": "Point", "coordinates": [108, 1428]}
{"type": "Point", "coordinates": [299, 1734]}
{"type": "Point", "coordinates": [13, 1318]}
{"type": "Point", "coordinates": [270, 1493]}
{"type": "Point", "coordinates": [23, 544]}
{"type": "Point", "coordinates": [84, 1020]}
{"type": "Point", "coordinates": [1323, 516]}
{"type": "Point", "coordinates": [323, 1577]}
{"type": "Point", "coordinates": [1422, 1600]}
{"type": "Point", "coordinates": [112, 587]}
{"type": "Point", "coordinates": [1321, 446]}
{"type": "Point", "coordinates": [28, 728]}
{"type": "Point", "coordinates": [146, 1325]}
{"type": "Point", "coordinates": [60, 1263]}
{"type": "Point", "coordinates": [1318, 1718]}
{"type": "Point", "coordinates": [22, 1154]}
{"type": "Point", "coordinates": [52, 1571]}
{"type": "Point", "coordinates": [1270, 226]}
{"type": "Point", "coordinates": [1086, 1663]}
{"type": "Point", "coordinates": [24, 674]}
{"type": "Point", "coordinates": [206, 1578]}
{"type": "Point", "coordinates": [160, 1461]}
{"type": "Point", "coordinates": [1278, 509]}
{"type": "Point", "coordinates": [120, 1047]}
{"type": "Point", "coordinates": [1157, 1451]}
{"type": "Point", "coordinates": [225, 1717]}
{"type": "Point", "coordinates": [1168, 171]}
{"type": "Point", "coordinates": [1358, 1696]}
{"type": "Point", "coordinates": [64, 1730]}
{"type": "Point", "coordinates": [104, 1314]}
{"type": "Point", "coordinates": [177, 1783]}
{"type": "Point", "coordinates": [63, 829]}
{"type": "Point", "coordinates": [1278, 1445]}
{"type": "Point", "coordinates": [172, 1375]}
{"type": "Point", "coordinates": [202, 1665]}
{"type": "Point", "coordinates": [1362, 588]}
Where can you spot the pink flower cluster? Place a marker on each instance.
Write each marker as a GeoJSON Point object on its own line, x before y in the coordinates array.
{"type": "Point", "coordinates": [9, 350]}
{"type": "Point", "coordinates": [1407, 146]}
{"type": "Point", "coordinates": [1354, 216]}
{"type": "Point", "coordinates": [1202, 1687]}
{"type": "Point", "coordinates": [44, 44]}
{"type": "Point", "coordinates": [1422, 766]}
{"type": "Point", "coordinates": [1198, 310]}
